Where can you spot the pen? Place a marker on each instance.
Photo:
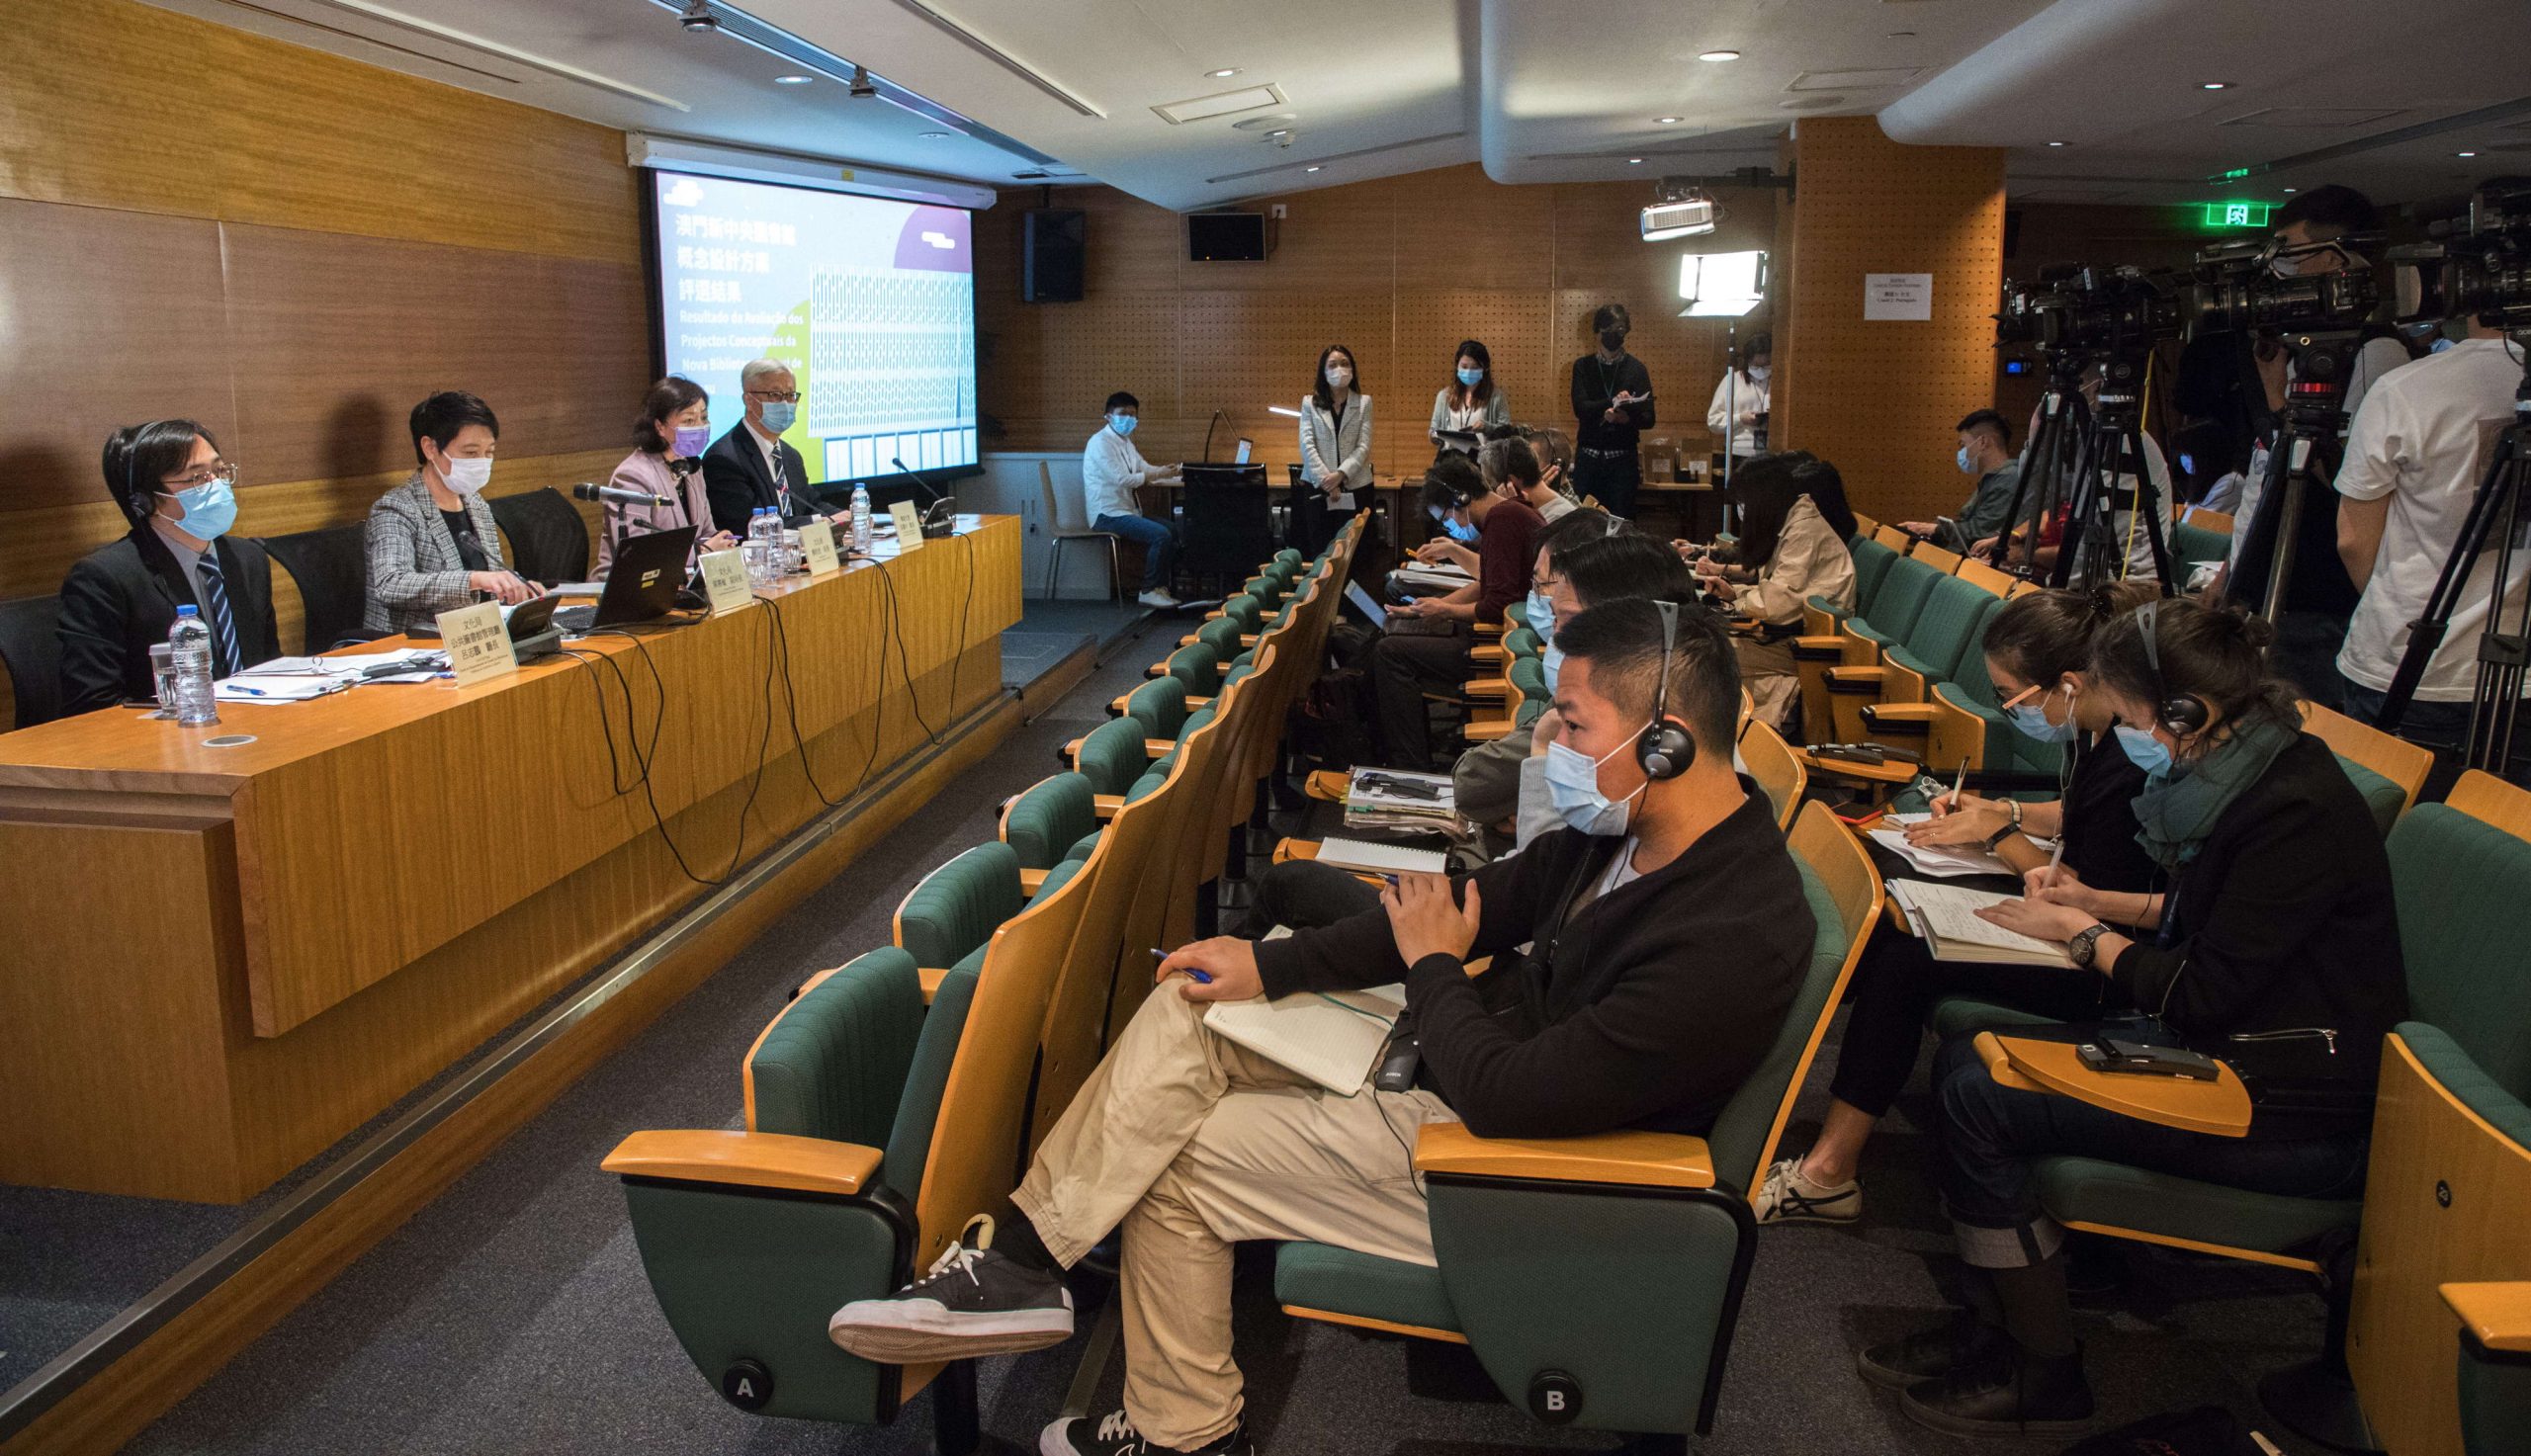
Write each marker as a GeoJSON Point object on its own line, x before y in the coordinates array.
{"type": "Point", "coordinates": [1203, 977]}
{"type": "Point", "coordinates": [1961, 783]}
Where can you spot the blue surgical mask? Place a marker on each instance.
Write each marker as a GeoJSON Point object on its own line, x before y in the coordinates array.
{"type": "Point", "coordinates": [2030, 720]}
{"type": "Point", "coordinates": [1573, 787]}
{"type": "Point", "coordinates": [1471, 376]}
{"type": "Point", "coordinates": [211, 508]}
{"type": "Point", "coordinates": [1550, 659]}
{"type": "Point", "coordinates": [1462, 532]}
{"type": "Point", "coordinates": [1122, 424]}
{"type": "Point", "coordinates": [1541, 613]}
{"type": "Point", "coordinates": [778, 415]}
{"type": "Point", "coordinates": [1967, 467]}
{"type": "Point", "coordinates": [2146, 752]}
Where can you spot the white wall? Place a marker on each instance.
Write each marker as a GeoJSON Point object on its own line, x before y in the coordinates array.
{"type": "Point", "coordinates": [1010, 486]}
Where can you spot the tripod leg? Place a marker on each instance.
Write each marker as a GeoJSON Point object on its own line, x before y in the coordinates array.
{"type": "Point", "coordinates": [2426, 633]}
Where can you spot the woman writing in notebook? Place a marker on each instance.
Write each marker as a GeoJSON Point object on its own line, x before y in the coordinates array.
{"type": "Point", "coordinates": [2036, 652]}
{"type": "Point", "coordinates": [2250, 946]}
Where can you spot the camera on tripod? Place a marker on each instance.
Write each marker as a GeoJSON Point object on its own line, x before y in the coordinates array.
{"type": "Point", "coordinates": [2078, 309]}
{"type": "Point", "coordinates": [2479, 263]}
{"type": "Point", "coordinates": [2238, 289]}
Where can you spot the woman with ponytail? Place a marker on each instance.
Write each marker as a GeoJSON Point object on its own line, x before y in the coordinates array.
{"type": "Point", "coordinates": [2267, 937]}
{"type": "Point", "coordinates": [2038, 651]}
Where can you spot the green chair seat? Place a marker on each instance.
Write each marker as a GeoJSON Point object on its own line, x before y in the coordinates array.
{"type": "Point", "coordinates": [1321, 1277]}
{"type": "Point", "coordinates": [2090, 1191]}
{"type": "Point", "coordinates": [2466, 1079]}
{"type": "Point", "coordinates": [2380, 795]}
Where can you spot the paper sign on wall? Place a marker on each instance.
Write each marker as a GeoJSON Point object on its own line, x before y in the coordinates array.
{"type": "Point", "coordinates": [908, 525]}
{"type": "Point", "coordinates": [725, 580]}
{"type": "Point", "coordinates": [1899, 295]}
{"type": "Point", "coordinates": [478, 642]}
{"type": "Point", "coordinates": [817, 547]}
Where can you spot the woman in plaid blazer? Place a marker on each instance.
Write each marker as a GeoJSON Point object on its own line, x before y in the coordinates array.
{"type": "Point", "coordinates": [433, 545]}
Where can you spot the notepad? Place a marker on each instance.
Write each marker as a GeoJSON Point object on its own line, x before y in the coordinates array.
{"type": "Point", "coordinates": [1332, 1038]}
{"type": "Point", "coordinates": [1379, 859]}
{"type": "Point", "coordinates": [1942, 861]}
{"type": "Point", "coordinates": [1947, 916]}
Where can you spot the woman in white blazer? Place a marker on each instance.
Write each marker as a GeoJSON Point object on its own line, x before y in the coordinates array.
{"type": "Point", "coordinates": [1336, 440]}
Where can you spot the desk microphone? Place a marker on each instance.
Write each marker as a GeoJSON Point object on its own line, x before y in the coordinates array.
{"type": "Point", "coordinates": [1217, 418]}
{"type": "Point", "coordinates": [935, 514]}
{"type": "Point", "coordinates": [618, 495]}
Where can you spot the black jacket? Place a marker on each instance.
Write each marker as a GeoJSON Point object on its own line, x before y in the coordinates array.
{"type": "Point", "coordinates": [2283, 922]}
{"type": "Point", "coordinates": [1595, 385]}
{"type": "Point", "coordinates": [121, 599]}
{"type": "Point", "coordinates": [735, 480]}
{"type": "Point", "coordinates": [1648, 1009]}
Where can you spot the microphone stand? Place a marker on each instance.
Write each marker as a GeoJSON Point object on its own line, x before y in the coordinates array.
{"type": "Point", "coordinates": [939, 497]}
{"type": "Point", "coordinates": [1209, 435]}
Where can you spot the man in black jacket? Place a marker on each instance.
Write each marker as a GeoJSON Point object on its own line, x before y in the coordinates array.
{"type": "Point", "coordinates": [1611, 409]}
{"type": "Point", "coordinates": [753, 466]}
{"type": "Point", "coordinates": [1669, 931]}
{"type": "Point", "coordinates": [121, 599]}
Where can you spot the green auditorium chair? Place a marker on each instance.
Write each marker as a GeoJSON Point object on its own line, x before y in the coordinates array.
{"type": "Point", "coordinates": [1044, 822]}
{"type": "Point", "coordinates": [1945, 641]}
{"type": "Point", "coordinates": [1524, 1228]}
{"type": "Point", "coordinates": [948, 918]}
{"type": "Point", "coordinates": [2494, 1368]}
{"type": "Point", "coordinates": [1159, 705]}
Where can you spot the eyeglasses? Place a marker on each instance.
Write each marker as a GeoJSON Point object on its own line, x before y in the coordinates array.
{"type": "Point", "coordinates": [226, 472]}
{"type": "Point", "coordinates": [790, 396]}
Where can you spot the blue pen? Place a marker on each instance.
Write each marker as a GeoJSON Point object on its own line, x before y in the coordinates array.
{"type": "Point", "coordinates": [1203, 977]}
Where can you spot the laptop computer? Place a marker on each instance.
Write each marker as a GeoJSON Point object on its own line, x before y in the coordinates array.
{"type": "Point", "coordinates": [641, 586]}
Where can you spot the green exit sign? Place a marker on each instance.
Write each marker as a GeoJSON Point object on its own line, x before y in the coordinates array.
{"type": "Point", "coordinates": [2237, 215]}
{"type": "Point", "coordinates": [2236, 173]}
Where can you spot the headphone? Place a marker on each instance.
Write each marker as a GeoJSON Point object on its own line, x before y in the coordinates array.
{"type": "Point", "coordinates": [2178, 713]}
{"type": "Point", "coordinates": [131, 491]}
{"type": "Point", "coordinates": [1666, 749]}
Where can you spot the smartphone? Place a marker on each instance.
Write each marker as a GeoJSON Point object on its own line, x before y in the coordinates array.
{"type": "Point", "coordinates": [2113, 1055]}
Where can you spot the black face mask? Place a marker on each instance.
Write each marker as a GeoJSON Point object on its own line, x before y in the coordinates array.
{"type": "Point", "coordinates": [1612, 340]}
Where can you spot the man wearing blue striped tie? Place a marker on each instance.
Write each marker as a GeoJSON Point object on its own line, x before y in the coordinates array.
{"type": "Point", "coordinates": [121, 599]}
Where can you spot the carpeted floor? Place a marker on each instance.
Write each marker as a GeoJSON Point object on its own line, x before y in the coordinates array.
{"type": "Point", "coordinates": [512, 1315]}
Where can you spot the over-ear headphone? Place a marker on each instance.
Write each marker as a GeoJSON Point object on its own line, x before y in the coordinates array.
{"type": "Point", "coordinates": [140, 505]}
{"type": "Point", "coordinates": [2179, 714]}
{"type": "Point", "coordinates": [1667, 748]}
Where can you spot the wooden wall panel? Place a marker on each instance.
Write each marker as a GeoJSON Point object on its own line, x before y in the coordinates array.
{"type": "Point", "coordinates": [1880, 398]}
{"type": "Point", "coordinates": [294, 248]}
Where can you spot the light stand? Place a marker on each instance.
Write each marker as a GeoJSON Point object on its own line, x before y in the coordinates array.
{"type": "Point", "coordinates": [1728, 286]}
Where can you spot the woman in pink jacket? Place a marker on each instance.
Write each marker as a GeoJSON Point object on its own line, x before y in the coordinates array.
{"type": "Point", "coordinates": [666, 460]}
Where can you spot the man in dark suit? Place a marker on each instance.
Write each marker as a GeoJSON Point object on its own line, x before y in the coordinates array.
{"type": "Point", "coordinates": [121, 599]}
{"type": "Point", "coordinates": [750, 467]}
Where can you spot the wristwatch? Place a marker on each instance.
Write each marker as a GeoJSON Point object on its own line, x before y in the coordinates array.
{"type": "Point", "coordinates": [2080, 946]}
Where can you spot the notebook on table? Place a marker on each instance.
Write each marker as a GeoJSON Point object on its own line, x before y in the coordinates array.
{"type": "Point", "coordinates": [1369, 858]}
{"type": "Point", "coordinates": [1946, 916]}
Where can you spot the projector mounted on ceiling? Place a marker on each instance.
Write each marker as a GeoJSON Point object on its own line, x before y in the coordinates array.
{"type": "Point", "coordinates": [1682, 210]}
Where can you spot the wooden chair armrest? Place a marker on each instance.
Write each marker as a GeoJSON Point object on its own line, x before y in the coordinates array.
{"type": "Point", "coordinates": [1328, 785]}
{"type": "Point", "coordinates": [1487, 731]}
{"type": "Point", "coordinates": [1157, 669]}
{"type": "Point", "coordinates": [1999, 1066]}
{"type": "Point", "coordinates": [739, 1159]}
{"type": "Point", "coordinates": [2496, 1315]}
{"type": "Point", "coordinates": [1249, 639]}
{"type": "Point", "coordinates": [2221, 1107]}
{"type": "Point", "coordinates": [1116, 706]}
{"type": "Point", "coordinates": [1645, 1160]}
{"type": "Point", "coordinates": [1190, 639]}
{"type": "Point", "coordinates": [1919, 714]}
{"type": "Point", "coordinates": [1826, 646]}
{"type": "Point", "coordinates": [1489, 629]}
{"type": "Point", "coordinates": [1031, 879]}
{"type": "Point", "coordinates": [1159, 748]}
{"type": "Point", "coordinates": [1194, 703]}
{"type": "Point", "coordinates": [1491, 654]}
{"type": "Point", "coordinates": [1858, 679]}
{"type": "Point", "coordinates": [1072, 754]}
{"type": "Point", "coordinates": [1287, 850]}
{"type": "Point", "coordinates": [1487, 687]}
{"type": "Point", "coordinates": [1106, 806]}
{"type": "Point", "coordinates": [930, 977]}
{"type": "Point", "coordinates": [1897, 771]}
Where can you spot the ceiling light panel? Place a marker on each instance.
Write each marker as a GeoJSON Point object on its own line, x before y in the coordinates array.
{"type": "Point", "coordinates": [1855, 79]}
{"type": "Point", "coordinates": [1219, 104]}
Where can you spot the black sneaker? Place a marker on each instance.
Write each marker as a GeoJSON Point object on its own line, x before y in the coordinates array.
{"type": "Point", "coordinates": [1929, 1354]}
{"type": "Point", "coordinates": [2016, 1394]}
{"type": "Point", "coordinates": [1112, 1434]}
{"type": "Point", "coordinates": [974, 1302]}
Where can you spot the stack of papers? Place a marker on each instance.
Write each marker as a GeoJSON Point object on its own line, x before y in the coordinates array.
{"type": "Point", "coordinates": [1943, 862]}
{"type": "Point", "coordinates": [280, 687]}
{"type": "Point", "coordinates": [1440, 580]}
{"type": "Point", "coordinates": [1365, 857]}
{"type": "Point", "coordinates": [1392, 799]}
{"type": "Point", "coordinates": [1946, 916]}
{"type": "Point", "coordinates": [298, 679]}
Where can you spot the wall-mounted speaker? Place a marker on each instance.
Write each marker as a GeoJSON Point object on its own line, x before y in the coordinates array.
{"type": "Point", "coordinates": [1054, 243]}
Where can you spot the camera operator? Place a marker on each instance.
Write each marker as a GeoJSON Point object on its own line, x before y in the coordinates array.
{"type": "Point", "coordinates": [2311, 624]}
{"type": "Point", "coordinates": [2414, 458]}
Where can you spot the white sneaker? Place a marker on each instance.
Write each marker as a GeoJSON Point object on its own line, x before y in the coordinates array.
{"type": "Point", "coordinates": [1786, 1198]}
{"type": "Point", "coordinates": [1159, 597]}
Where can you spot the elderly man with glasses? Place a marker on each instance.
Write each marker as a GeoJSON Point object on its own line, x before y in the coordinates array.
{"type": "Point", "coordinates": [752, 467]}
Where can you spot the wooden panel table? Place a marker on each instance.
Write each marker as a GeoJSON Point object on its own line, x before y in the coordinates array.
{"type": "Point", "coordinates": [223, 959]}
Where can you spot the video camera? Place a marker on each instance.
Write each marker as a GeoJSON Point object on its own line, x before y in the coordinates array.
{"type": "Point", "coordinates": [2477, 263]}
{"type": "Point", "coordinates": [2078, 309]}
{"type": "Point", "coordinates": [2231, 288]}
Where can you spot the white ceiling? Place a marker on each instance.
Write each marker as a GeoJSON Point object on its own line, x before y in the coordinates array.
{"type": "Point", "coordinates": [1538, 90]}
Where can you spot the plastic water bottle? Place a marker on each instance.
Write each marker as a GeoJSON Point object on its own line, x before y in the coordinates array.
{"type": "Point", "coordinates": [759, 547]}
{"type": "Point", "coordinates": [862, 519]}
{"type": "Point", "coordinates": [189, 644]}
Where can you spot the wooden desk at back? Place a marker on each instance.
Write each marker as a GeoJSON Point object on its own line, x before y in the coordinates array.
{"type": "Point", "coordinates": [221, 960]}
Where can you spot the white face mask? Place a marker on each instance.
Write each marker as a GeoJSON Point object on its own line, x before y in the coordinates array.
{"type": "Point", "coordinates": [1339, 376]}
{"type": "Point", "coordinates": [1758, 372]}
{"type": "Point", "coordinates": [469, 476]}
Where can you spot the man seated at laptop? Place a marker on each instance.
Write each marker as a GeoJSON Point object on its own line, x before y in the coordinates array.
{"type": "Point", "coordinates": [1649, 1000]}
{"type": "Point", "coordinates": [1985, 452]}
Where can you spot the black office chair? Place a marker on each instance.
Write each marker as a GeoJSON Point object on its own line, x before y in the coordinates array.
{"type": "Point", "coordinates": [331, 570]}
{"type": "Point", "coordinates": [31, 648]}
{"type": "Point", "coordinates": [546, 532]}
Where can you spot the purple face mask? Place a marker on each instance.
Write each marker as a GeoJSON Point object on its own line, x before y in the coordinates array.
{"type": "Point", "coordinates": [690, 441]}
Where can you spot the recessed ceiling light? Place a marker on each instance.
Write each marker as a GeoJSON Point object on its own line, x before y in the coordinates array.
{"type": "Point", "coordinates": [792, 80]}
{"type": "Point", "coordinates": [2056, 144]}
{"type": "Point", "coordinates": [1635, 161]}
{"type": "Point", "coordinates": [2212, 85]}
{"type": "Point", "coordinates": [1666, 120]}
{"type": "Point", "coordinates": [1224, 74]}
{"type": "Point", "coordinates": [1309, 169]}
{"type": "Point", "coordinates": [932, 135]}
{"type": "Point", "coordinates": [1719, 56]}
{"type": "Point", "coordinates": [2292, 188]}
{"type": "Point", "coordinates": [2464, 153]}
{"type": "Point", "coordinates": [1281, 132]}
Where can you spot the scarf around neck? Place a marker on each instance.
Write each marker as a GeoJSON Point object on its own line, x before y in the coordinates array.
{"type": "Point", "coordinates": [2178, 812]}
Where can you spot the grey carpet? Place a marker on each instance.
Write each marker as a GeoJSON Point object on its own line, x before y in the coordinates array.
{"type": "Point", "coordinates": [512, 1315]}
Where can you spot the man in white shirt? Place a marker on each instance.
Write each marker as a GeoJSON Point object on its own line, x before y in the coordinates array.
{"type": "Point", "coordinates": [2414, 458]}
{"type": "Point", "coordinates": [1110, 468]}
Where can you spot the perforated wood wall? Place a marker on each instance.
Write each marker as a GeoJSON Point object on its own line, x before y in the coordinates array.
{"type": "Point", "coordinates": [1881, 398]}
{"type": "Point", "coordinates": [1398, 270]}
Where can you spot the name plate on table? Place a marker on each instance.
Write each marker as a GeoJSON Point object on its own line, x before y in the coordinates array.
{"type": "Point", "coordinates": [908, 525]}
{"type": "Point", "coordinates": [478, 644]}
{"type": "Point", "coordinates": [725, 580]}
{"type": "Point", "coordinates": [817, 547]}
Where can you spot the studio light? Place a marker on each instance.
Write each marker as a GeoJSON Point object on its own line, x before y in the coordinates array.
{"type": "Point", "coordinates": [1680, 211]}
{"type": "Point", "coordinates": [1721, 285]}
